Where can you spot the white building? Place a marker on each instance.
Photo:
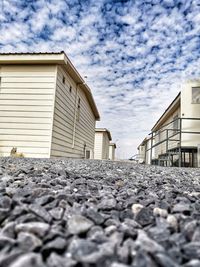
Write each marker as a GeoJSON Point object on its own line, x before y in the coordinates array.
{"type": "Point", "coordinates": [101, 144]}
{"type": "Point", "coordinates": [175, 138]}
{"type": "Point", "coordinates": [46, 109]}
{"type": "Point", "coordinates": [112, 148]}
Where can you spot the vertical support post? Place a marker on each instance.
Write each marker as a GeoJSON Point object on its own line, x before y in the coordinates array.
{"type": "Point", "coordinates": [167, 136]}
{"type": "Point", "coordinates": [151, 148]}
{"type": "Point", "coordinates": [145, 153]}
{"type": "Point", "coordinates": [180, 156]}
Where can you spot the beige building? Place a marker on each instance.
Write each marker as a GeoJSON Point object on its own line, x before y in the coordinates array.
{"type": "Point", "coordinates": [101, 144]}
{"type": "Point", "coordinates": [140, 157]}
{"type": "Point", "coordinates": [46, 109]}
{"type": "Point", "coordinates": [112, 148]}
{"type": "Point", "coordinates": [144, 151]}
{"type": "Point", "coordinates": [175, 138]}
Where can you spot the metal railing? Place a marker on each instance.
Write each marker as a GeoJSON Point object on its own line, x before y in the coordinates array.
{"type": "Point", "coordinates": [169, 137]}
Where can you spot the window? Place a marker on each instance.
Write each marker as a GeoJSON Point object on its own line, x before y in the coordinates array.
{"type": "Point", "coordinates": [63, 79]}
{"type": "Point", "coordinates": [195, 95]}
{"type": "Point", "coordinates": [78, 111]}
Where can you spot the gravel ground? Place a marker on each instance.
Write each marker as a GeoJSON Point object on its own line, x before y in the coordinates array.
{"type": "Point", "coordinates": [64, 213]}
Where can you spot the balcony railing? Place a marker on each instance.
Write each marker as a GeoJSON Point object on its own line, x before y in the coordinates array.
{"type": "Point", "coordinates": [174, 136]}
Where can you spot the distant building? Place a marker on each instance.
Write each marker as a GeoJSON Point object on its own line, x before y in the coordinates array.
{"type": "Point", "coordinates": [101, 144]}
{"type": "Point", "coordinates": [112, 148]}
{"type": "Point", "coordinates": [175, 138]}
{"type": "Point", "coordinates": [140, 157]}
{"type": "Point", "coordinates": [46, 109]}
{"type": "Point", "coordinates": [144, 151]}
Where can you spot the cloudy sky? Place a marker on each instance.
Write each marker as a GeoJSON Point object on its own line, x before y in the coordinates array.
{"type": "Point", "coordinates": [134, 53]}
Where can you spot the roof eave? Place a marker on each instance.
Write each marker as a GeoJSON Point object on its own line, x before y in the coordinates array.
{"type": "Point", "coordinates": [164, 116]}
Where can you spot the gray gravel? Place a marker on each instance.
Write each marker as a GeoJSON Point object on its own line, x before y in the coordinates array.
{"type": "Point", "coordinates": [65, 213]}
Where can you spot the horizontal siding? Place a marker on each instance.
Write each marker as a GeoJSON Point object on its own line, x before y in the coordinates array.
{"type": "Point", "coordinates": [22, 79]}
{"type": "Point", "coordinates": [105, 153]}
{"type": "Point", "coordinates": [18, 102]}
{"type": "Point", "coordinates": [25, 114]}
{"type": "Point", "coordinates": [24, 131]}
{"type": "Point", "coordinates": [27, 91]}
{"type": "Point", "coordinates": [27, 85]}
{"type": "Point", "coordinates": [64, 114]}
{"type": "Point", "coordinates": [25, 120]}
{"type": "Point", "coordinates": [111, 152]}
{"type": "Point", "coordinates": [26, 106]}
{"type": "Point", "coordinates": [98, 145]}
{"type": "Point", "coordinates": [26, 97]}
{"type": "Point", "coordinates": [24, 137]}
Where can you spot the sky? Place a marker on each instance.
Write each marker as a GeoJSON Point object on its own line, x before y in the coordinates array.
{"type": "Point", "coordinates": [135, 54]}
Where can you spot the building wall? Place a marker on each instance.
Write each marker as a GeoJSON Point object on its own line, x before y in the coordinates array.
{"type": "Point", "coordinates": [190, 110]}
{"type": "Point", "coordinates": [148, 151]}
{"type": "Point", "coordinates": [111, 152]}
{"type": "Point", "coordinates": [98, 145]}
{"type": "Point", "coordinates": [101, 147]}
{"type": "Point", "coordinates": [26, 105]}
{"type": "Point", "coordinates": [141, 153]}
{"type": "Point", "coordinates": [106, 141]}
{"type": "Point", "coordinates": [73, 127]}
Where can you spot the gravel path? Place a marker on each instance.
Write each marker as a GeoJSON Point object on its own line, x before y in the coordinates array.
{"type": "Point", "coordinates": [65, 213]}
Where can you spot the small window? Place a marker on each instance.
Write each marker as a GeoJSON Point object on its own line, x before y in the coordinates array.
{"type": "Point", "coordinates": [195, 95]}
{"type": "Point", "coordinates": [70, 89]}
{"type": "Point", "coordinates": [63, 79]}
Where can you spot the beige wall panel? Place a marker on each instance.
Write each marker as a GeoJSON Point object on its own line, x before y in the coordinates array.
{"type": "Point", "coordinates": [70, 134]}
{"type": "Point", "coordinates": [27, 91]}
{"type": "Point", "coordinates": [28, 126]}
{"type": "Point", "coordinates": [29, 79]}
{"type": "Point", "coordinates": [25, 131]}
{"type": "Point", "coordinates": [24, 144]}
{"type": "Point", "coordinates": [25, 150]}
{"type": "Point", "coordinates": [21, 137]}
{"type": "Point", "coordinates": [105, 146]}
{"type": "Point", "coordinates": [28, 85]}
{"type": "Point", "coordinates": [26, 108]}
{"type": "Point", "coordinates": [26, 97]}
{"type": "Point", "coordinates": [25, 120]}
{"type": "Point", "coordinates": [27, 70]}
{"type": "Point", "coordinates": [25, 114]}
{"type": "Point", "coordinates": [190, 110]}
{"type": "Point", "coordinates": [98, 145]}
{"type": "Point", "coordinates": [17, 102]}
{"type": "Point", "coordinates": [111, 152]}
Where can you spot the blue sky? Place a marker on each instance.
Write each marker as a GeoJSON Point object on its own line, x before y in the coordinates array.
{"type": "Point", "coordinates": [134, 53]}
